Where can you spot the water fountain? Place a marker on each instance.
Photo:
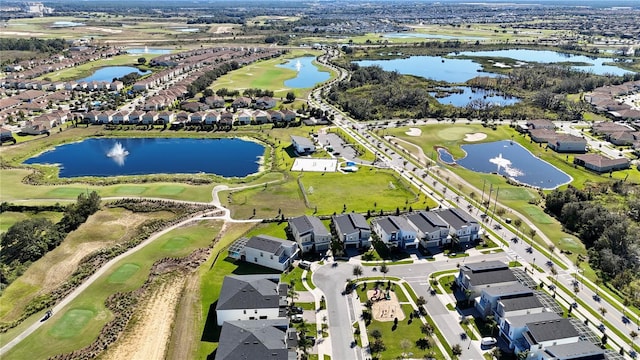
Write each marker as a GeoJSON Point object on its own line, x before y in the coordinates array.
{"type": "Point", "coordinates": [146, 49]}
{"type": "Point", "coordinates": [506, 165]}
{"type": "Point", "coordinates": [298, 66]}
{"type": "Point", "coordinates": [118, 153]}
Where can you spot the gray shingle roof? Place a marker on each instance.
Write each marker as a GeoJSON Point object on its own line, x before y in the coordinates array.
{"type": "Point", "coordinates": [507, 290]}
{"type": "Point", "coordinates": [394, 223]}
{"type": "Point", "coordinates": [306, 223]}
{"type": "Point", "coordinates": [249, 292]}
{"type": "Point", "coordinates": [268, 244]}
{"type": "Point", "coordinates": [253, 340]}
{"type": "Point", "coordinates": [580, 349]}
{"type": "Point", "coordinates": [350, 223]}
{"type": "Point", "coordinates": [521, 303]}
{"type": "Point", "coordinates": [456, 218]}
{"type": "Point", "coordinates": [490, 277]}
{"type": "Point", "coordinates": [427, 222]}
{"type": "Point", "coordinates": [486, 266]}
{"type": "Point", "coordinates": [521, 320]}
{"type": "Point", "coordinates": [550, 330]}
{"type": "Point", "coordinates": [302, 141]}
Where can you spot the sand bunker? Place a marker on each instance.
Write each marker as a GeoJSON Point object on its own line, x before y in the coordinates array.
{"type": "Point", "coordinates": [475, 137]}
{"type": "Point", "coordinates": [385, 310]}
{"type": "Point", "coordinates": [414, 132]}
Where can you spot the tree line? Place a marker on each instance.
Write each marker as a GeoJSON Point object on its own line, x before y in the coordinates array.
{"type": "Point", "coordinates": [33, 44]}
{"type": "Point", "coordinates": [205, 80]}
{"type": "Point", "coordinates": [28, 240]}
{"type": "Point", "coordinates": [610, 235]}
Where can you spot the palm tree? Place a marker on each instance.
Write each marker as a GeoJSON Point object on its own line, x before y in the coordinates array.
{"type": "Point", "coordinates": [291, 291]}
{"type": "Point", "coordinates": [517, 223]}
{"type": "Point", "coordinates": [603, 311]}
{"type": "Point", "coordinates": [384, 269]}
{"type": "Point", "coordinates": [357, 271]}
{"type": "Point", "coordinates": [551, 248]}
{"type": "Point", "coordinates": [426, 329]}
{"type": "Point", "coordinates": [492, 324]}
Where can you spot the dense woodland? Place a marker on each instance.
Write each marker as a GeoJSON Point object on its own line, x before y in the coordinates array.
{"type": "Point", "coordinates": [33, 44]}
{"type": "Point", "coordinates": [609, 234]}
{"type": "Point", "coordinates": [28, 240]}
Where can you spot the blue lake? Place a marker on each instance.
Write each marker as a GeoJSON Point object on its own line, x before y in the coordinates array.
{"type": "Point", "coordinates": [461, 99]}
{"type": "Point", "coordinates": [545, 56]}
{"type": "Point", "coordinates": [225, 157]}
{"type": "Point", "coordinates": [148, 51]}
{"type": "Point", "coordinates": [432, 67]}
{"type": "Point", "coordinates": [308, 74]}
{"type": "Point", "coordinates": [513, 161]}
{"type": "Point", "coordinates": [110, 72]}
{"type": "Point", "coordinates": [411, 35]}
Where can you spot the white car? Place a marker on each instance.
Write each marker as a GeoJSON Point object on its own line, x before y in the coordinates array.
{"type": "Point", "coordinates": [488, 341]}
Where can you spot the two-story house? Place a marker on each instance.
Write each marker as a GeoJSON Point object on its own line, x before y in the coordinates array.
{"type": "Point", "coordinates": [265, 250]}
{"type": "Point", "coordinates": [431, 229]}
{"type": "Point", "coordinates": [251, 297]}
{"type": "Point", "coordinates": [395, 231]}
{"type": "Point", "coordinates": [271, 339]}
{"type": "Point", "coordinates": [476, 276]}
{"type": "Point", "coordinates": [310, 233]}
{"type": "Point", "coordinates": [542, 334]}
{"type": "Point", "coordinates": [512, 327]}
{"type": "Point", "coordinates": [487, 304]}
{"type": "Point", "coordinates": [352, 229]}
{"type": "Point", "coordinates": [463, 225]}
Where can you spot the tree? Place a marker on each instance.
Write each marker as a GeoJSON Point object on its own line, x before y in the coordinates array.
{"type": "Point", "coordinates": [421, 301]}
{"type": "Point", "coordinates": [377, 346]}
{"type": "Point", "coordinates": [603, 311]}
{"type": "Point", "coordinates": [376, 334]}
{"type": "Point", "coordinates": [291, 96]}
{"type": "Point", "coordinates": [405, 345]}
{"type": "Point", "coordinates": [291, 291]}
{"type": "Point", "coordinates": [384, 269]}
{"type": "Point", "coordinates": [456, 350]}
{"type": "Point", "coordinates": [357, 271]}
{"type": "Point", "coordinates": [142, 60]}
{"type": "Point", "coordinates": [492, 324]}
{"type": "Point", "coordinates": [426, 329]}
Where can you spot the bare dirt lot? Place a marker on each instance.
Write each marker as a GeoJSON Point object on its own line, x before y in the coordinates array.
{"type": "Point", "coordinates": [148, 333]}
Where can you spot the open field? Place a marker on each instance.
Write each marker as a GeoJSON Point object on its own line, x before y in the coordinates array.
{"type": "Point", "coordinates": [266, 75]}
{"type": "Point", "coordinates": [63, 333]}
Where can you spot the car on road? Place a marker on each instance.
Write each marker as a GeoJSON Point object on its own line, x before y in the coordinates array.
{"type": "Point", "coordinates": [497, 227]}
{"type": "Point", "coordinates": [601, 328]}
{"type": "Point", "coordinates": [488, 341]}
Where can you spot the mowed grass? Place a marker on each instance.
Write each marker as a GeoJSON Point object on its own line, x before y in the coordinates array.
{"type": "Point", "coordinates": [103, 229]}
{"type": "Point", "coordinates": [123, 273]}
{"type": "Point", "coordinates": [14, 189]}
{"type": "Point", "coordinates": [45, 342]}
{"type": "Point", "coordinates": [87, 69]}
{"type": "Point", "coordinates": [267, 76]}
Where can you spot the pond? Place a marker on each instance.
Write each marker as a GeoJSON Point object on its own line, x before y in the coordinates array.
{"type": "Point", "coordinates": [432, 67]}
{"type": "Point", "coordinates": [110, 72]}
{"type": "Point", "coordinates": [146, 50]}
{"type": "Point", "coordinates": [62, 24]}
{"type": "Point", "coordinates": [596, 66]}
{"type": "Point", "coordinates": [411, 35]}
{"type": "Point", "coordinates": [511, 160]}
{"type": "Point", "coordinates": [228, 157]}
{"type": "Point", "coordinates": [308, 75]}
{"type": "Point", "coordinates": [460, 96]}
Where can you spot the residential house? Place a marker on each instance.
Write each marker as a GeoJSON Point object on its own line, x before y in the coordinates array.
{"type": "Point", "coordinates": [192, 106]}
{"type": "Point", "coordinates": [432, 230]}
{"type": "Point", "coordinates": [541, 124]}
{"type": "Point", "coordinates": [215, 101]}
{"type": "Point", "coordinates": [241, 102]}
{"type": "Point", "coordinates": [568, 143]}
{"type": "Point", "coordinates": [226, 119]}
{"type": "Point", "coordinates": [275, 116]}
{"type": "Point", "coordinates": [600, 163]}
{"type": "Point", "coordinates": [289, 115]}
{"type": "Point", "coordinates": [581, 350]}
{"type": "Point", "coordinates": [265, 250]}
{"type": "Point", "coordinates": [476, 276]}
{"type": "Point", "coordinates": [542, 135]}
{"type": "Point", "coordinates": [608, 127]}
{"type": "Point", "coordinates": [302, 145]}
{"type": "Point", "coordinates": [36, 127]}
{"type": "Point", "coordinates": [149, 118]}
{"type": "Point", "coordinates": [542, 334]}
{"type": "Point", "coordinates": [518, 305]}
{"type": "Point", "coordinates": [197, 118]}
{"type": "Point", "coordinates": [91, 117]}
{"type": "Point", "coordinates": [461, 225]}
{"type": "Point", "coordinates": [512, 327]}
{"type": "Point", "coordinates": [105, 117]}
{"type": "Point", "coordinates": [623, 138]}
{"type": "Point", "coordinates": [116, 85]}
{"type": "Point", "coordinates": [265, 102]}
{"type": "Point", "coordinates": [212, 118]}
{"type": "Point", "coordinates": [135, 117]}
{"type": "Point", "coordinates": [271, 339]}
{"type": "Point", "coordinates": [262, 117]}
{"type": "Point", "coordinates": [120, 117]}
{"type": "Point", "coordinates": [251, 297]}
{"type": "Point", "coordinates": [487, 303]}
{"type": "Point", "coordinates": [352, 229]}
{"type": "Point", "coordinates": [244, 117]}
{"type": "Point", "coordinates": [166, 117]}
{"type": "Point", "coordinates": [395, 231]}
{"type": "Point", "coordinates": [310, 233]}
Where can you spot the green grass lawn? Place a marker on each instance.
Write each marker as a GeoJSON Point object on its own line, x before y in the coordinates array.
{"type": "Point", "coordinates": [81, 321]}
{"type": "Point", "coordinates": [87, 69]}
{"type": "Point", "coordinates": [296, 275]}
{"type": "Point", "coordinates": [267, 76]}
{"type": "Point", "coordinates": [123, 273]}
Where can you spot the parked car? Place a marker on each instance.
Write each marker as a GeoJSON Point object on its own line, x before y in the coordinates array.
{"type": "Point", "coordinates": [296, 310]}
{"type": "Point", "coordinates": [488, 341]}
{"type": "Point", "coordinates": [296, 318]}
{"type": "Point", "coordinates": [305, 264]}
